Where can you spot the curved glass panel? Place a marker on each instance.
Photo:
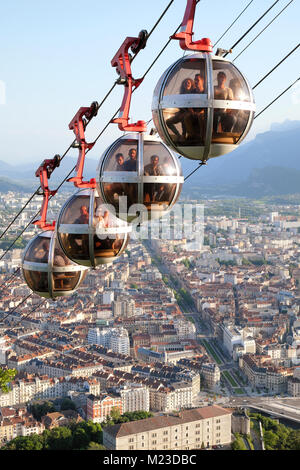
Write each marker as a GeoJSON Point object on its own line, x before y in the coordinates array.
{"type": "Point", "coordinates": [158, 161]}
{"type": "Point", "coordinates": [38, 251]}
{"type": "Point", "coordinates": [76, 246]}
{"type": "Point", "coordinates": [115, 191]}
{"type": "Point", "coordinates": [123, 156]}
{"type": "Point", "coordinates": [66, 281]}
{"type": "Point", "coordinates": [229, 84]}
{"type": "Point", "coordinates": [186, 126]}
{"type": "Point", "coordinates": [76, 211]}
{"type": "Point", "coordinates": [229, 125]}
{"type": "Point", "coordinates": [36, 280]}
{"type": "Point", "coordinates": [189, 76]}
{"type": "Point", "coordinates": [106, 246]}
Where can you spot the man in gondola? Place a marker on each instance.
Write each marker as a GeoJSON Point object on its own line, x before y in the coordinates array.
{"type": "Point", "coordinates": [223, 116]}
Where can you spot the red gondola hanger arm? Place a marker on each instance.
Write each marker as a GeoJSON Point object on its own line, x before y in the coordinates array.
{"type": "Point", "coordinates": [122, 62]}
{"type": "Point", "coordinates": [44, 172]}
{"type": "Point", "coordinates": [185, 36]}
{"type": "Point", "coordinates": [78, 125]}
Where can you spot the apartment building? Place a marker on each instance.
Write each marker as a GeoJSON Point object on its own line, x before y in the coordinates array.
{"type": "Point", "coordinates": [211, 375]}
{"type": "Point", "coordinates": [262, 373]}
{"type": "Point", "coordinates": [135, 397]}
{"type": "Point", "coordinates": [190, 429]}
{"type": "Point", "coordinates": [98, 408]}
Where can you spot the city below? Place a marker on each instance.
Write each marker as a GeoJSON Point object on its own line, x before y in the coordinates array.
{"type": "Point", "coordinates": [176, 345]}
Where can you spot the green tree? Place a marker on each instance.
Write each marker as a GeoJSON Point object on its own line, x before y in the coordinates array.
{"type": "Point", "coordinates": [67, 404]}
{"type": "Point", "coordinates": [41, 409]}
{"type": "Point", "coordinates": [95, 446]}
{"type": "Point", "coordinates": [60, 439]}
{"type": "Point", "coordinates": [6, 375]}
{"type": "Point", "coordinates": [80, 439]}
{"type": "Point", "coordinates": [115, 414]}
{"type": "Point", "coordinates": [33, 442]}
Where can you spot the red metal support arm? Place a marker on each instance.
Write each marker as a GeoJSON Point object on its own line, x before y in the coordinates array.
{"type": "Point", "coordinates": [78, 125]}
{"type": "Point", "coordinates": [186, 34]}
{"type": "Point", "coordinates": [122, 61]}
{"type": "Point", "coordinates": [44, 172]}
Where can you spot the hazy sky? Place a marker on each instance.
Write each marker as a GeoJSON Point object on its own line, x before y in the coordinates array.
{"type": "Point", "coordinates": [55, 57]}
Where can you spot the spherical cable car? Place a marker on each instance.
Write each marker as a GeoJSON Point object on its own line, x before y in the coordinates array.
{"type": "Point", "coordinates": [139, 169]}
{"type": "Point", "coordinates": [88, 233]}
{"type": "Point", "coordinates": [46, 270]}
{"type": "Point", "coordinates": [137, 173]}
{"type": "Point", "coordinates": [202, 106]}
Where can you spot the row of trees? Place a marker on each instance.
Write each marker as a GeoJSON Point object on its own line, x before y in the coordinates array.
{"type": "Point", "coordinates": [276, 435]}
{"type": "Point", "coordinates": [85, 435]}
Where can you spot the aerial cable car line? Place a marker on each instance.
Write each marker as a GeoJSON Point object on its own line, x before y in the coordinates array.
{"type": "Point", "coordinates": [23, 317]}
{"type": "Point", "coordinates": [277, 97]}
{"type": "Point", "coordinates": [71, 145]}
{"type": "Point", "coordinates": [102, 102]}
{"type": "Point", "coordinates": [276, 66]}
{"type": "Point", "coordinates": [103, 130]}
{"type": "Point", "coordinates": [149, 121]}
{"type": "Point", "coordinates": [221, 37]}
{"type": "Point", "coordinates": [14, 309]}
{"type": "Point", "coordinates": [98, 107]}
{"type": "Point", "coordinates": [9, 279]}
{"type": "Point", "coordinates": [257, 115]}
{"type": "Point", "coordinates": [251, 27]}
{"type": "Point", "coordinates": [266, 27]}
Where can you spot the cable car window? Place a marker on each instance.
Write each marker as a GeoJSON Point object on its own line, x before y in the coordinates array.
{"type": "Point", "coordinates": [77, 211]}
{"type": "Point", "coordinates": [123, 157]}
{"type": "Point", "coordinates": [157, 160]}
{"type": "Point", "coordinates": [187, 126]}
{"type": "Point", "coordinates": [36, 280]}
{"type": "Point", "coordinates": [38, 251]}
{"type": "Point", "coordinates": [76, 245]}
{"type": "Point", "coordinates": [189, 76]}
{"type": "Point", "coordinates": [65, 281]}
{"type": "Point", "coordinates": [113, 191]}
{"type": "Point", "coordinates": [229, 125]}
{"type": "Point", "coordinates": [228, 82]}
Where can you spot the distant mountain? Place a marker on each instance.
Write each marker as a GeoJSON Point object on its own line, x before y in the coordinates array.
{"type": "Point", "coordinates": [273, 149]}
{"type": "Point", "coordinates": [7, 185]}
{"type": "Point", "coordinates": [269, 164]}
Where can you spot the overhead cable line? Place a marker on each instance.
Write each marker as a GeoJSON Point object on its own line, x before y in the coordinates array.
{"type": "Point", "coordinates": [24, 317]}
{"type": "Point", "coordinates": [251, 27]}
{"type": "Point", "coordinates": [221, 37]}
{"type": "Point", "coordinates": [8, 281]}
{"type": "Point", "coordinates": [98, 107]}
{"type": "Point", "coordinates": [277, 65]}
{"type": "Point", "coordinates": [277, 97]}
{"type": "Point", "coordinates": [261, 112]}
{"type": "Point", "coordinates": [266, 27]}
{"type": "Point", "coordinates": [14, 309]}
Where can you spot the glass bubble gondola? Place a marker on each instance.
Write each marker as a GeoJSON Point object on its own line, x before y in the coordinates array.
{"type": "Point", "coordinates": [203, 106]}
{"type": "Point", "coordinates": [142, 168]}
{"type": "Point", "coordinates": [88, 233]}
{"type": "Point", "coordinates": [47, 271]}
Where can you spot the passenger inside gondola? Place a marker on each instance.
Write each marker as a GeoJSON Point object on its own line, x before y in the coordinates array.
{"type": "Point", "coordinates": [187, 87]}
{"type": "Point", "coordinates": [224, 119]}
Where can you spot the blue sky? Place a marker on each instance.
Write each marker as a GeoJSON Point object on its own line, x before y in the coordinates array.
{"type": "Point", "coordinates": [55, 57]}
